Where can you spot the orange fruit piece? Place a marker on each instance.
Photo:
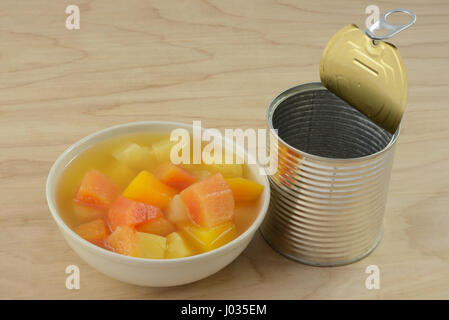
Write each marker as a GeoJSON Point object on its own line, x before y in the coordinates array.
{"type": "Point", "coordinates": [145, 187]}
{"type": "Point", "coordinates": [125, 212]}
{"type": "Point", "coordinates": [123, 240]}
{"type": "Point", "coordinates": [96, 190]}
{"type": "Point", "coordinates": [159, 226]}
{"type": "Point", "coordinates": [244, 190]}
{"type": "Point", "coordinates": [210, 202]}
{"type": "Point", "coordinates": [92, 231]}
{"type": "Point", "coordinates": [175, 176]}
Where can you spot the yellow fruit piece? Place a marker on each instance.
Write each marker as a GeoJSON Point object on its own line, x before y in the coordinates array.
{"type": "Point", "coordinates": [244, 190]}
{"type": "Point", "coordinates": [160, 226]}
{"type": "Point", "coordinates": [177, 247]}
{"type": "Point", "coordinates": [135, 156]}
{"type": "Point", "coordinates": [161, 149]}
{"type": "Point", "coordinates": [206, 239]}
{"type": "Point", "coordinates": [120, 173]}
{"type": "Point", "coordinates": [177, 212]}
{"type": "Point", "coordinates": [150, 246]}
{"type": "Point", "coordinates": [146, 188]}
{"type": "Point", "coordinates": [227, 170]}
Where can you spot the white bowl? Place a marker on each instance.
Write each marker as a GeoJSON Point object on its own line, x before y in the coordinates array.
{"type": "Point", "coordinates": [149, 272]}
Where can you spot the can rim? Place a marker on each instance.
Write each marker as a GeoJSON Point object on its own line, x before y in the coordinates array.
{"type": "Point", "coordinates": [315, 86]}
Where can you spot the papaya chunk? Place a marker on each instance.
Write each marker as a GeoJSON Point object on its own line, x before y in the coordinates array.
{"type": "Point", "coordinates": [92, 231]}
{"type": "Point", "coordinates": [96, 190]}
{"type": "Point", "coordinates": [175, 176]}
{"type": "Point", "coordinates": [210, 202]}
{"type": "Point", "coordinates": [123, 240]}
{"type": "Point", "coordinates": [159, 226]}
{"type": "Point", "coordinates": [125, 212]}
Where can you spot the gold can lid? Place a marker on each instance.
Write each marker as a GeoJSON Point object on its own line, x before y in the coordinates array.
{"type": "Point", "coordinates": [369, 74]}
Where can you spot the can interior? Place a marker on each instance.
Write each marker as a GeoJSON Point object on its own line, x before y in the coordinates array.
{"type": "Point", "coordinates": [320, 123]}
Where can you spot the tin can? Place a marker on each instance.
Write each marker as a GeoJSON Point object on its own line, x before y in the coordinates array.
{"type": "Point", "coordinates": [330, 190]}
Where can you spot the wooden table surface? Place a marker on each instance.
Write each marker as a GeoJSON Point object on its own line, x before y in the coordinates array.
{"type": "Point", "coordinates": [220, 62]}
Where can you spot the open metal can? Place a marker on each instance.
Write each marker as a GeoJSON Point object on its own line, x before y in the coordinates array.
{"type": "Point", "coordinates": [330, 190]}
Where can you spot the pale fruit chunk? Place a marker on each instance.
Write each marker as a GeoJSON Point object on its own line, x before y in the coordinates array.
{"type": "Point", "coordinates": [120, 173]}
{"type": "Point", "coordinates": [150, 246]}
{"type": "Point", "coordinates": [227, 170]}
{"type": "Point", "coordinates": [198, 170]}
{"type": "Point", "coordinates": [135, 156]}
{"type": "Point", "coordinates": [177, 212]}
{"type": "Point", "coordinates": [201, 174]}
{"type": "Point", "coordinates": [161, 149]}
{"type": "Point", "coordinates": [160, 226]}
{"type": "Point", "coordinates": [177, 247]}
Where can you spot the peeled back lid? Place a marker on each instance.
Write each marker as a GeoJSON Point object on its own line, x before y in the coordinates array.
{"type": "Point", "coordinates": [368, 74]}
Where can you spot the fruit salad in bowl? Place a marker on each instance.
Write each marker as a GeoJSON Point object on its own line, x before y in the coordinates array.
{"type": "Point", "coordinates": [130, 212]}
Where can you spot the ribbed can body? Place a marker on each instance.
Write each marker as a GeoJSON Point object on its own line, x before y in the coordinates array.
{"type": "Point", "coordinates": [329, 192]}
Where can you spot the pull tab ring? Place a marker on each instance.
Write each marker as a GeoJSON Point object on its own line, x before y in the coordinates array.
{"type": "Point", "coordinates": [392, 29]}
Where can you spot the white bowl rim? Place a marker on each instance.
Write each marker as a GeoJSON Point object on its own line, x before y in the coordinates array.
{"type": "Point", "coordinates": [51, 180]}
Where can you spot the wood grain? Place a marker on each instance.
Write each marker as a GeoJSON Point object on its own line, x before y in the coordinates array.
{"type": "Point", "coordinates": [220, 62]}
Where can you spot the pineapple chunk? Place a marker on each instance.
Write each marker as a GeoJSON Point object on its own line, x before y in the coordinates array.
{"type": "Point", "coordinates": [227, 170]}
{"type": "Point", "coordinates": [207, 239]}
{"type": "Point", "coordinates": [177, 247]}
{"type": "Point", "coordinates": [120, 173]}
{"type": "Point", "coordinates": [161, 149]}
{"type": "Point", "coordinates": [135, 156]}
{"type": "Point", "coordinates": [177, 212]}
{"type": "Point", "coordinates": [150, 246]}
